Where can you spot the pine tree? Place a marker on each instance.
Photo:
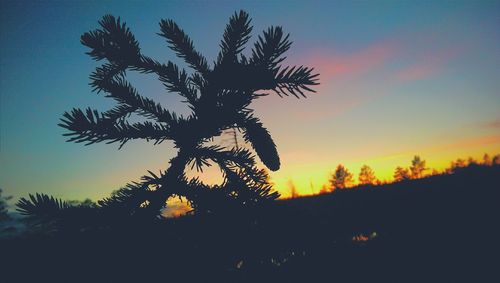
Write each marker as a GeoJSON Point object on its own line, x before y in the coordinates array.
{"type": "Point", "coordinates": [341, 178]}
{"type": "Point", "coordinates": [457, 165]}
{"type": "Point", "coordinates": [367, 176]}
{"type": "Point", "coordinates": [496, 160]}
{"type": "Point", "coordinates": [487, 160]}
{"type": "Point", "coordinates": [417, 167]}
{"type": "Point", "coordinates": [219, 96]}
{"type": "Point", "coordinates": [401, 174]}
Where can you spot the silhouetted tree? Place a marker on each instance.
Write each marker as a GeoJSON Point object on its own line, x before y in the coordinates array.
{"type": "Point", "coordinates": [219, 97]}
{"type": "Point", "coordinates": [457, 165]}
{"type": "Point", "coordinates": [341, 178]}
{"type": "Point", "coordinates": [366, 176]}
{"type": "Point", "coordinates": [487, 160]}
{"type": "Point", "coordinates": [496, 160]}
{"type": "Point", "coordinates": [471, 161]}
{"type": "Point", "coordinates": [401, 174]}
{"type": "Point", "coordinates": [417, 167]}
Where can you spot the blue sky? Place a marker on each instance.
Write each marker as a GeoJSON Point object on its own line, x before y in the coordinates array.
{"type": "Point", "coordinates": [398, 78]}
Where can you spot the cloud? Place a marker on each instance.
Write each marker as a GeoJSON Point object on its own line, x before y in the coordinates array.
{"type": "Point", "coordinates": [176, 207]}
{"type": "Point", "coordinates": [427, 64]}
{"type": "Point", "coordinates": [358, 77]}
{"type": "Point", "coordinates": [419, 56]}
{"type": "Point", "coordinates": [330, 63]}
{"type": "Point", "coordinates": [390, 157]}
{"type": "Point", "coordinates": [416, 72]}
{"type": "Point", "coordinates": [472, 142]}
{"type": "Point", "coordinates": [342, 78]}
{"type": "Point", "coordinates": [494, 124]}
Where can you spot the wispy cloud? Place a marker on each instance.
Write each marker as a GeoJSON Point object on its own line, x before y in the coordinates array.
{"type": "Point", "coordinates": [426, 64]}
{"type": "Point", "coordinates": [416, 72]}
{"type": "Point", "coordinates": [350, 79]}
{"type": "Point", "coordinates": [418, 56]}
{"type": "Point", "coordinates": [494, 124]}
{"type": "Point", "coordinates": [342, 77]}
{"type": "Point", "coordinates": [390, 157]}
{"type": "Point", "coordinates": [466, 143]}
{"type": "Point", "coordinates": [331, 63]}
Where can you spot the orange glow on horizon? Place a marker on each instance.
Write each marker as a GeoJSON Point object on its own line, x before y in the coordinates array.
{"type": "Point", "coordinates": [314, 179]}
{"type": "Point", "coordinates": [309, 173]}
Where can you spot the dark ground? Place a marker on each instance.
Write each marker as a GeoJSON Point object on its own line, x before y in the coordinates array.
{"type": "Point", "coordinates": [443, 228]}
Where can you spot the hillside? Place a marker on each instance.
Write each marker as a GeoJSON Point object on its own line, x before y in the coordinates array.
{"type": "Point", "coordinates": [437, 229]}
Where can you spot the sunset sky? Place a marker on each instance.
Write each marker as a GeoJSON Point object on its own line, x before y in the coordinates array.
{"type": "Point", "coordinates": [398, 78]}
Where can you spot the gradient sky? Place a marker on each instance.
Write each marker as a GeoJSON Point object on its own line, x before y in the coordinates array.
{"type": "Point", "coordinates": [398, 78]}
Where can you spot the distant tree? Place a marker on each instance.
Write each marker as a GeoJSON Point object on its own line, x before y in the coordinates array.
{"type": "Point", "coordinates": [457, 165]}
{"type": "Point", "coordinates": [496, 160]}
{"type": "Point", "coordinates": [471, 161]}
{"type": "Point", "coordinates": [487, 160]}
{"type": "Point", "coordinates": [4, 215]}
{"type": "Point", "coordinates": [417, 167]}
{"type": "Point", "coordinates": [341, 178]}
{"type": "Point", "coordinates": [367, 176]}
{"type": "Point", "coordinates": [434, 172]}
{"type": "Point", "coordinates": [218, 95]}
{"type": "Point", "coordinates": [401, 174]}
{"type": "Point", "coordinates": [460, 163]}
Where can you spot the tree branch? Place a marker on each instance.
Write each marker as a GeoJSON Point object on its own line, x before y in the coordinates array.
{"type": "Point", "coordinates": [92, 127]}
{"type": "Point", "coordinates": [183, 46]}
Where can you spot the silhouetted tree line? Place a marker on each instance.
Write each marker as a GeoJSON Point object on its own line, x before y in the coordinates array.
{"type": "Point", "coordinates": [415, 171]}
{"type": "Point", "coordinates": [341, 178]}
{"type": "Point", "coordinates": [432, 229]}
{"type": "Point", "coordinates": [219, 97]}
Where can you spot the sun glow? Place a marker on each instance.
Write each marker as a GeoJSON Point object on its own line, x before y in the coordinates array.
{"type": "Point", "coordinates": [311, 180]}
